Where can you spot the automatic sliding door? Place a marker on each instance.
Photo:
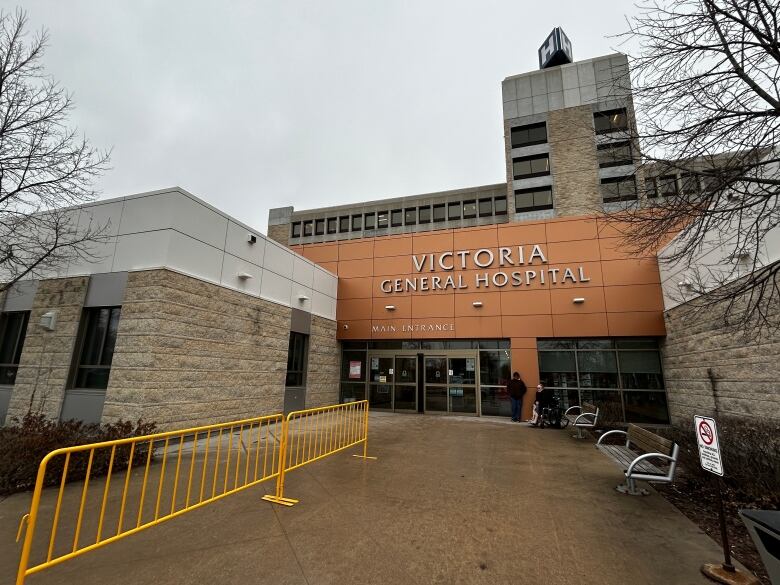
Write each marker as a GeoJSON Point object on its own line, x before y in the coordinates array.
{"type": "Point", "coordinates": [405, 391]}
{"type": "Point", "coordinates": [380, 385]}
{"type": "Point", "coordinates": [435, 384]}
{"type": "Point", "coordinates": [463, 385]}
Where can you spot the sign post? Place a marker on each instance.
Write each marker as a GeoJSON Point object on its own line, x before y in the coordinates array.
{"type": "Point", "coordinates": [706, 430]}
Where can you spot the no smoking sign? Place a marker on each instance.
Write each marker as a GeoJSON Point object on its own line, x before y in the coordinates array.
{"type": "Point", "coordinates": [709, 447]}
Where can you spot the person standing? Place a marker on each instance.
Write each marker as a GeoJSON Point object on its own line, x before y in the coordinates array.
{"type": "Point", "coordinates": [516, 389]}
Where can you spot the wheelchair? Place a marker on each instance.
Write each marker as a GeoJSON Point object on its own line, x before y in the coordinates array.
{"type": "Point", "coordinates": [552, 414]}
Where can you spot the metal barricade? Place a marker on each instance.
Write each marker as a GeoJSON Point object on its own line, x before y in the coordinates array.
{"type": "Point", "coordinates": [310, 435]}
{"type": "Point", "coordinates": [181, 471]}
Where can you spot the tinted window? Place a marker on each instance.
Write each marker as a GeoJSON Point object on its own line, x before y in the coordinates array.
{"type": "Point", "coordinates": [528, 135]}
{"type": "Point", "coordinates": [357, 223]}
{"type": "Point", "coordinates": [439, 213]}
{"type": "Point", "coordinates": [618, 189]}
{"type": "Point", "coordinates": [296, 229]}
{"type": "Point", "coordinates": [396, 217]}
{"type": "Point", "coordinates": [370, 221]}
{"type": "Point", "coordinates": [410, 216]}
{"type": "Point", "coordinates": [500, 205]}
{"type": "Point", "coordinates": [667, 185]}
{"type": "Point", "coordinates": [485, 207]}
{"type": "Point", "coordinates": [332, 225]}
{"type": "Point", "coordinates": [344, 224]}
{"type": "Point", "coordinates": [614, 154]}
{"type": "Point", "coordinates": [308, 228]}
{"type": "Point", "coordinates": [98, 338]}
{"type": "Point", "coordinates": [531, 166]}
{"type": "Point", "coordinates": [533, 199]}
{"type": "Point", "coordinates": [453, 210]}
{"type": "Point", "coordinates": [381, 219]}
{"type": "Point", "coordinates": [13, 330]}
{"type": "Point", "coordinates": [469, 209]}
{"type": "Point", "coordinates": [610, 121]}
{"type": "Point", "coordinates": [424, 214]}
{"type": "Point", "coordinates": [319, 227]}
{"type": "Point", "coordinates": [296, 359]}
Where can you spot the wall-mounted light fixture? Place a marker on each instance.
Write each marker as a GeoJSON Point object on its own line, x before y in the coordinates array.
{"type": "Point", "coordinates": [578, 300]}
{"type": "Point", "coordinates": [476, 304]}
{"type": "Point", "coordinates": [390, 307]}
{"type": "Point", "coordinates": [302, 298]}
{"type": "Point", "coordinates": [685, 284]}
{"type": "Point", "coordinates": [48, 320]}
{"type": "Point", "coordinates": [251, 238]}
{"type": "Point", "coordinates": [244, 275]}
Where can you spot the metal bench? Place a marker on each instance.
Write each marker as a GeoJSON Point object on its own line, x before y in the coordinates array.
{"type": "Point", "coordinates": [635, 457]}
{"type": "Point", "coordinates": [582, 417]}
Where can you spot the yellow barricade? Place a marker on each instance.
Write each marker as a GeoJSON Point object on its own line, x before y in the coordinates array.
{"type": "Point", "coordinates": [315, 433]}
{"type": "Point", "coordinates": [180, 470]}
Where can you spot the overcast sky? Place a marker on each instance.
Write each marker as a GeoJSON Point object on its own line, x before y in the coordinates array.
{"type": "Point", "coordinates": [252, 105]}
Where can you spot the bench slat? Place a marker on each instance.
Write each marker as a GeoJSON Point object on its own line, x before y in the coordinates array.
{"type": "Point", "coordinates": [624, 457]}
{"type": "Point", "coordinates": [648, 441]}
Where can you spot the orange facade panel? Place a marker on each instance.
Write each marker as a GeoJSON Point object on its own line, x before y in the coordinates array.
{"type": "Point", "coordinates": [566, 230]}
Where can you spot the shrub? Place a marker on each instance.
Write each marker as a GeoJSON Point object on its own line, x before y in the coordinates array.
{"type": "Point", "coordinates": [25, 442]}
{"type": "Point", "coordinates": [750, 450]}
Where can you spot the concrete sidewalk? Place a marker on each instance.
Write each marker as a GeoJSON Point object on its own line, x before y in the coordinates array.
{"type": "Point", "coordinates": [450, 500]}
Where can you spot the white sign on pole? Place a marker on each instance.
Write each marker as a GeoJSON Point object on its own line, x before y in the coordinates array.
{"type": "Point", "coordinates": [709, 446]}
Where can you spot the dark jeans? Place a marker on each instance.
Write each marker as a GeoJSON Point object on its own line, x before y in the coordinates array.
{"type": "Point", "coordinates": [516, 407]}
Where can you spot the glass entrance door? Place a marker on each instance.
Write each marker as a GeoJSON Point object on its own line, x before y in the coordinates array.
{"type": "Point", "coordinates": [380, 386]}
{"type": "Point", "coordinates": [405, 390]}
{"type": "Point", "coordinates": [435, 384]}
{"type": "Point", "coordinates": [462, 385]}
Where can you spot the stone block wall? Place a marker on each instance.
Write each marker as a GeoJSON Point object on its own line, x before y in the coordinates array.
{"type": "Point", "coordinates": [322, 378]}
{"type": "Point", "coordinates": [280, 233]}
{"type": "Point", "coordinates": [46, 359]}
{"type": "Point", "coordinates": [712, 370]}
{"type": "Point", "coordinates": [190, 353]}
{"type": "Point", "coordinates": [573, 161]}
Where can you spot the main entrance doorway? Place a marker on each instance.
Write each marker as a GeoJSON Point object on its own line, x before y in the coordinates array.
{"type": "Point", "coordinates": [440, 382]}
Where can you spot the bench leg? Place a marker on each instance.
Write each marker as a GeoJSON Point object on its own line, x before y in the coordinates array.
{"type": "Point", "coordinates": [579, 434]}
{"type": "Point", "coordinates": [630, 488]}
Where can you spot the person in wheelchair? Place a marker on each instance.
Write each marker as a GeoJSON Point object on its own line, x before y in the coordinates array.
{"type": "Point", "coordinates": [550, 411]}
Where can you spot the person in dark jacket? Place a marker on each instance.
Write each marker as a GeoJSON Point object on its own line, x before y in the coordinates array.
{"type": "Point", "coordinates": [516, 389]}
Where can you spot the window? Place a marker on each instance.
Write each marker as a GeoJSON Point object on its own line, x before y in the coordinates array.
{"type": "Point", "coordinates": [453, 210]}
{"type": "Point", "coordinates": [689, 184]}
{"type": "Point", "coordinates": [344, 224]}
{"type": "Point", "coordinates": [296, 229]}
{"type": "Point", "coordinates": [319, 227]}
{"type": "Point", "coordinates": [332, 222]}
{"type": "Point", "coordinates": [424, 214]}
{"type": "Point", "coordinates": [357, 223]}
{"type": "Point", "coordinates": [667, 185]}
{"type": "Point", "coordinates": [296, 359]}
{"type": "Point", "coordinates": [533, 199]}
{"type": "Point", "coordinates": [618, 189]}
{"type": "Point", "coordinates": [308, 228]}
{"type": "Point", "coordinates": [531, 166]}
{"type": "Point", "coordinates": [529, 135]}
{"type": "Point", "coordinates": [485, 207]}
{"type": "Point", "coordinates": [622, 377]}
{"type": "Point", "coordinates": [610, 121]}
{"type": "Point", "coordinates": [98, 337]}
{"type": "Point", "coordinates": [381, 219]}
{"type": "Point", "coordinates": [469, 209]}
{"type": "Point", "coordinates": [369, 221]}
{"type": "Point", "coordinates": [439, 214]}
{"type": "Point", "coordinates": [13, 329]}
{"type": "Point", "coordinates": [651, 192]}
{"type": "Point", "coordinates": [614, 154]}
{"type": "Point", "coordinates": [410, 216]}
{"type": "Point", "coordinates": [396, 217]}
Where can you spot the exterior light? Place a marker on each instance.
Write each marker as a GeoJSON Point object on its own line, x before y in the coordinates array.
{"type": "Point", "coordinates": [476, 304]}
{"type": "Point", "coordinates": [684, 284]}
{"type": "Point", "coordinates": [251, 238]}
{"type": "Point", "coordinates": [390, 307]}
{"type": "Point", "coordinates": [49, 320]}
{"type": "Point", "coordinates": [302, 298]}
{"type": "Point", "coordinates": [244, 275]}
{"type": "Point", "coordinates": [578, 300]}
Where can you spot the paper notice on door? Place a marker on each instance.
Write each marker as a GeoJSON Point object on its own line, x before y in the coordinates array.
{"type": "Point", "coordinates": [382, 379]}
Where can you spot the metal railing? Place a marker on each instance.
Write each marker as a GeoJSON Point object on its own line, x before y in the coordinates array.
{"type": "Point", "coordinates": [310, 435]}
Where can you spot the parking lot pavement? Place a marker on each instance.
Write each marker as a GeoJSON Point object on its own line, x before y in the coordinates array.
{"type": "Point", "coordinates": [449, 500]}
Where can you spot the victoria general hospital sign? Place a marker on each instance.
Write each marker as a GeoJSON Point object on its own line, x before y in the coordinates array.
{"type": "Point", "coordinates": [518, 266]}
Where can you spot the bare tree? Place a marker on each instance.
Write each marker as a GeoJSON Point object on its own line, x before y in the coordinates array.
{"type": "Point", "coordinates": [707, 105]}
{"type": "Point", "coordinates": [45, 167]}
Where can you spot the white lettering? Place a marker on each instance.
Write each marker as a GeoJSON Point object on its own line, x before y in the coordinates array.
{"type": "Point", "coordinates": [568, 274]}
{"type": "Point", "coordinates": [520, 256]}
{"type": "Point", "coordinates": [450, 282]}
{"type": "Point", "coordinates": [386, 287]}
{"type": "Point", "coordinates": [536, 252]}
{"type": "Point", "coordinates": [529, 276]}
{"type": "Point", "coordinates": [424, 283]}
{"type": "Point", "coordinates": [397, 285]}
{"type": "Point", "coordinates": [482, 280]}
{"type": "Point", "coordinates": [505, 256]}
{"type": "Point", "coordinates": [461, 284]}
{"type": "Point", "coordinates": [582, 275]}
{"type": "Point", "coordinates": [435, 282]}
{"type": "Point", "coordinates": [462, 254]}
{"type": "Point", "coordinates": [441, 261]}
{"type": "Point", "coordinates": [418, 264]}
{"type": "Point", "coordinates": [479, 253]}
{"type": "Point", "coordinates": [517, 279]}
{"type": "Point", "coordinates": [554, 273]}
{"type": "Point", "coordinates": [500, 279]}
